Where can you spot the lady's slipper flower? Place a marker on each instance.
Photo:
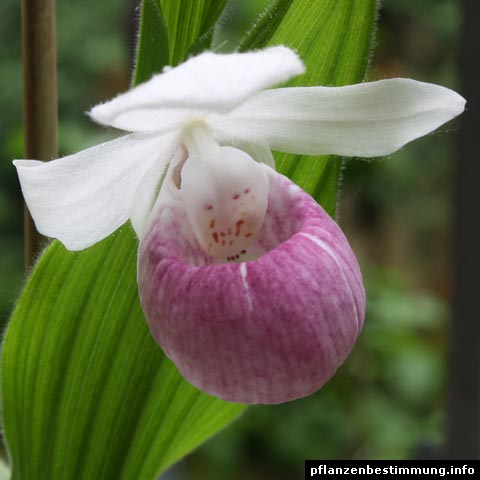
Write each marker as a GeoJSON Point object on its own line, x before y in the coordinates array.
{"type": "Point", "coordinates": [247, 284]}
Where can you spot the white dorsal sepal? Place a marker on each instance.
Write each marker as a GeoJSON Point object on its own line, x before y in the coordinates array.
{"type": "Point", "coordinates": [224, 192]}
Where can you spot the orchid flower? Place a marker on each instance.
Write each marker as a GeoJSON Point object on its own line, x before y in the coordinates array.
{"type": "Point", "coordinates": [246, 283]}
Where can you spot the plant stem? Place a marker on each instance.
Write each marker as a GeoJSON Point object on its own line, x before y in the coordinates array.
{"type": "Point", "coordinates": [40, 97]}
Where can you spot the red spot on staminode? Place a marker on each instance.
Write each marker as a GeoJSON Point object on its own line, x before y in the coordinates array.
{"type": "Point", "coordinates": [208, 207]}
{"type": "Point", "coordinates": [231, 242]}
{"type": "Point", "coordinates": [223, 243]}
{"type": "Point", "coordinates": [238, 226]}
{"type": "Point", "coordinates": [247, 190]}
{"type": "Point", "coordinates": [212, 223]}
{"type": "Point", "coordinates": [236, 196]}
{"type": "Point", "coordinates": [229, 231]}
{"type": "Point", "coordinates": [222, 234]}
{"type": "Point", "coordinates": [248, 235]}
{"type": "Point", "coordinates": [215, 236]}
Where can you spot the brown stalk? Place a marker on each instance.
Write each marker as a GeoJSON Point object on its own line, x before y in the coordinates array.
{"type": "Point", "coordinates": [40, 97]}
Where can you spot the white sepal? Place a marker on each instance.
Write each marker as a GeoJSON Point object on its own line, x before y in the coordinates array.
{"type": "Point", "coordinates": [82, 198]}
{"type": "Point", "coordinates": [225, 197]}
{"type": "Point", "coordinates": [365, 120]}
{"type": "Point", "coordinates": [204, 84]}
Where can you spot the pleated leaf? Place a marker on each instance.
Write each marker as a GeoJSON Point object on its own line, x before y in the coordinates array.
{"type": "Point", "coordinates": [171, 30]}
{"type": "Point", "coordinates": [187, 22]}
{"type": "Point", "coordinates": [334, 39]}
{"type": "Point", "coordinates": [87, 394]}
{"type": "Point", "coordinates": [152, 46]}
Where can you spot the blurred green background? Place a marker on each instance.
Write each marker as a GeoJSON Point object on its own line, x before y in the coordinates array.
{"type": "Point", "coordinates": [389, 399]}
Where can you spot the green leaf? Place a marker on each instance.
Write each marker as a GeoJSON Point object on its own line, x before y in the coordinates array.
{"type": "Point", "coordinates": [87, 392]}
{"type": "Point", "coordinates": [187, 22]}
{"type": "Point", "coordinates": [152, 47]}
{"type": "Point", "coordinates": [170, 31]}
{"type": "Point", "coordinates": [333, 37]}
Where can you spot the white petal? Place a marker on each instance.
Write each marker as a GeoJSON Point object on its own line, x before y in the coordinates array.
{"type": "Point", "coordinates": [225, 199]}
{"type": "Point", "coordinates": [209, 82]}
{"type": "Point", "coordinates": [149, 186]}
{"type": "Point", "coordinates": [367, 120]}
{"type": "Point", "coordinates": [82, 198]}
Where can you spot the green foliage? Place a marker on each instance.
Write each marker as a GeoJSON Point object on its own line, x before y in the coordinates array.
{"type": "Point", "coordinates": [169, 31]}
{"type": "Point", "coordinates": [334, 38]}
{"type": "Point", "coordinates": [87, 392]}
{"type": "Point", "coordinates": [153, 32]}
{"type": "Point", "coordinates": [388, 396]}
{"type": "Point", "coordinates": [187, 21]}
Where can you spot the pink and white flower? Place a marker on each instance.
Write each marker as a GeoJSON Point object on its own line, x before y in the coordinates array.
{"type": "Point", "coordinates": [247, 284]}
